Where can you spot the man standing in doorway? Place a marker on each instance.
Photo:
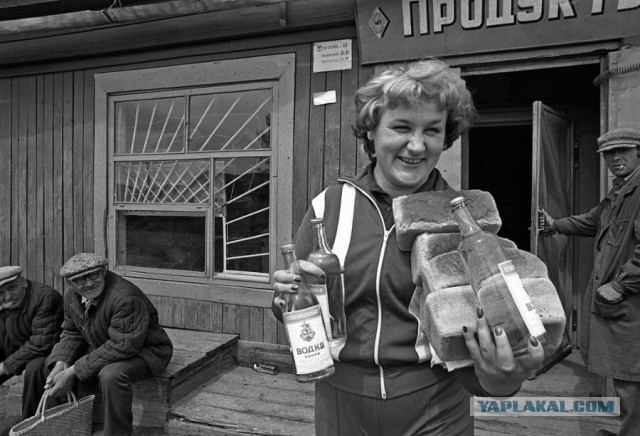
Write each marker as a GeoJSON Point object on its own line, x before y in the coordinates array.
{"type": "Point", "coordinates": [610, 321]}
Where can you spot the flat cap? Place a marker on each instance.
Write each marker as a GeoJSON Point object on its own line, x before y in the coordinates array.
{"type": "Point", "coordinates": [619, 138]}
{"type": "Point", "coordinates": [9, 273]}
{"type": "Point", "coordinates": [81, 264]}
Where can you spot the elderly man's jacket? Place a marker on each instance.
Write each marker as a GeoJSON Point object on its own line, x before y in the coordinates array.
{"type": "Point", "coordinates": [118, 325]}
{"type": "Point", "coordinates": [31, 329]}
{"type": "Point", "coordinates": [609, 332]}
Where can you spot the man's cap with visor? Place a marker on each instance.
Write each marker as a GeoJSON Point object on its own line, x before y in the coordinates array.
{"type": "Point", "coordinates": [9, 274]}
{"type": "Point", "coordinates": [82, 264]}
{"type": "Point", "coordinates": [619, 138]}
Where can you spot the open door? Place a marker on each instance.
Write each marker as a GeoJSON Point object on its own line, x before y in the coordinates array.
{"type": "Point", "coordinates": [552, 182]}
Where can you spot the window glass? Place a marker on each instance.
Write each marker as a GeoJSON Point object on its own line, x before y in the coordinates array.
{"type": "Point", "coordinates": [150, 126]}
{"type": "Point", "coordinates": [230, 121]}
{"type": "Point", "coordinates": [241, 190]}
{"type": "Point", "coordinates": [161, 240]}
{"type": "Point", "coordinates": [229, 136]}
{"type": "Point", "coordinates": [168, 182]}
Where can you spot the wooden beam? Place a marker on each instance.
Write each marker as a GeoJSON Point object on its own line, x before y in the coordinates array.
{"type": "Point", "coordinates": [120, 38]}
{"type": "Point", "coordinates": [20, 3]}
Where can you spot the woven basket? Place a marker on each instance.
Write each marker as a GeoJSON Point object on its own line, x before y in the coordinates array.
{"type": "Point", "coordinates": [70, 419]}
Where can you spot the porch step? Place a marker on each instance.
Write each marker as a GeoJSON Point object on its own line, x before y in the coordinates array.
{"type": "Point", "coordinates": [243, 401]}
{"type": "Point", "coordinates": [197, 357]}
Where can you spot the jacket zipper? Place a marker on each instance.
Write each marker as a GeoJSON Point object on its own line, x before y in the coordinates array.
{"type": "Point", "coordinates": [376, 349]}
{"type": "Point", "coordinates": [376, 352]}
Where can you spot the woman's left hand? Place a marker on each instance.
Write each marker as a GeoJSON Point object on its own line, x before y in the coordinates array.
{"type": "Point", "coordinates": [497, 370]}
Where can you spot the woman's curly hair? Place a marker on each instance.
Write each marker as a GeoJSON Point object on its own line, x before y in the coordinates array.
{"type": "Point", "coordinates": [423, 80]}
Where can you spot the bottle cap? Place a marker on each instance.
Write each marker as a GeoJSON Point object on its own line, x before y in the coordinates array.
{"type": "Point", "coordinates": [457, 201]}
{"type": "Point", "coordinates": [288, 247]}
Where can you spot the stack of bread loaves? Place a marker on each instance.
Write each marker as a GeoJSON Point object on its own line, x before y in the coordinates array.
{"type": "Point", "coordinates": [426, 227]}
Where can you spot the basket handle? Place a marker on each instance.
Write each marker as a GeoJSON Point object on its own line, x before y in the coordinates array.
{"type": "Point", "coordinates": [43, 401]}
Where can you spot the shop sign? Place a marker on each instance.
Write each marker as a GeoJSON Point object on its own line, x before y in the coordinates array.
{"type": "Point", "coordinates": [398, 30]}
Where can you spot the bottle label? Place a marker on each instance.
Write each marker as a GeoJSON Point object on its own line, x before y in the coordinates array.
{"type": "Point", "coordinates": [308, 340]}
{"type": "Point", "coordinates": [521, 298]}
{"type": "Point", "coordinates": [320, 291]}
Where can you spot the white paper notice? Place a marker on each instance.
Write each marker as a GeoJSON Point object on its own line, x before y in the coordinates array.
{"type": "Point", "coordinates": [326, 97]}
{"type": "Point", "coordinates": [332, 55]}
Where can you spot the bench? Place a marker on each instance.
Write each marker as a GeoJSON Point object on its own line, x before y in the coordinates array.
{"type": "Point", "coordinates": [197, 357]}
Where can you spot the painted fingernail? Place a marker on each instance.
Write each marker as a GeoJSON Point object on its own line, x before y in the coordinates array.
{"type": "Point", "coordinates": [480, 312]}
{"type": "Point", "coordinates": [464, 328]}
{"type": "Point", "coordinates": [497, 331]}
{"type": "Point", "coordinates": [294, 287]}
{"type": "Point", "coordinates": [297, 279]}
{"type": "Point", "coordinates": [534, 341]}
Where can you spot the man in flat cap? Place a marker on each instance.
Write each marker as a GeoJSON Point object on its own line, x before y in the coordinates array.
{"type": "Point", "coordinates": [111, 337]}
{"type": "Point", "coordinates": [610, 322]}
{"type": "Point", "coordinates": [30, 325]}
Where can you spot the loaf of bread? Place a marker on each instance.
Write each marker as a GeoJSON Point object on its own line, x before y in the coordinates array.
{"type": "Point", "coordinates": [447, 301]}
{"type": "Point", "coordinates": [430, 212]}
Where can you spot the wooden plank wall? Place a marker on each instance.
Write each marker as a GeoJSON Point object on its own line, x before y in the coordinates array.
{"type": "Point", "coordinates": [46, 171]}
{"type": "Point", "coordinates": [46, 178]}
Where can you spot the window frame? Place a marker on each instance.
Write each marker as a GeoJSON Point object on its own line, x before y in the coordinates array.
{"type": "Point", "coordinates": [275, 72]}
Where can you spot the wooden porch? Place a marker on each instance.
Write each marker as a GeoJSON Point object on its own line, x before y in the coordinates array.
{"type": "Point", "coordinates": [243, 401]}
{"type": "Point", "coordinates": [211, 388]}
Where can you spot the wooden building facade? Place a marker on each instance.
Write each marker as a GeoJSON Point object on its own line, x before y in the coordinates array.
{"type": "Point", "coordinates": [56, 163]}
{"type": "Point", "coordinates": [185, 140]}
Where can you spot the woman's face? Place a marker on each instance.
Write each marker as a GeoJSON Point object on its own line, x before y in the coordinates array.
{"type": "Point", "coordinates": [408, 141]}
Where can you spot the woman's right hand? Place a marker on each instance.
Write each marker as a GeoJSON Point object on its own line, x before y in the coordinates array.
{"type": "Point", "coordinates": [286, 282]}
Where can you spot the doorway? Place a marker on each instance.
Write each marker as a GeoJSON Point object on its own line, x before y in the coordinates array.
{"type": "Point", "coordinates": [499, 166]}
{"type": "Point", "coordinates": [499, 145]}
{"type": "Point", "coordinates": [498, 151]}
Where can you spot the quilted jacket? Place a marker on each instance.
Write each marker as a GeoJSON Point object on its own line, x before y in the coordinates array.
{"type": "Point", "coordinates": [32, 329]}
{"type": "Point", "coordinates": [118, 325]}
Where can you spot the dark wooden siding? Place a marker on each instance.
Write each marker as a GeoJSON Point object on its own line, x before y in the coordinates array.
{"type": "Point", "coordinates": [46, 174]}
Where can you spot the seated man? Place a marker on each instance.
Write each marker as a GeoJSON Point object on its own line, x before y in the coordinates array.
{"type": "Point", "coordinates": [111, 336]}
{"type": "Point", "coordinates": [30, 324]}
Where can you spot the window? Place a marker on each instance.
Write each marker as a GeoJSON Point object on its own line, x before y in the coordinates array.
{"type": "Point", "coordinates": [193, 187]}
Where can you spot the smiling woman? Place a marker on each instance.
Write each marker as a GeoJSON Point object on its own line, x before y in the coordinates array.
{"type": "Point", "coordinates": [406, 117]}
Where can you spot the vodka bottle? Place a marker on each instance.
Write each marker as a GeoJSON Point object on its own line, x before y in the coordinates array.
{"type": "Point", "coordinates": [332, 299]}
{"type": "Point", "coordinates": [302, 317]}
{"type": "Point", "coordinates": [496, 282]}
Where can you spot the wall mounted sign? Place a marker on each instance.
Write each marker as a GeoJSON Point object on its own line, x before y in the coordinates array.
{"type": "Point", "coordinates": [378, 22]}
{"type": "Point", "coordinates": [332, 55]}
{"type": "Point", "coordinates": [398, 30]}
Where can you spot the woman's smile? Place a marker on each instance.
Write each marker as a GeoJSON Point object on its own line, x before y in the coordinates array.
{"type": "Point", "coordinates": [410, 161]}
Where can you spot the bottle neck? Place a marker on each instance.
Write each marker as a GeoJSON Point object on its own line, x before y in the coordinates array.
{"type": "Point", "coordinates": [320, 239]}
{"type": "Point", "coordinates": [466, 223]}
{"type": "Point", "coordinates": [290, 261]}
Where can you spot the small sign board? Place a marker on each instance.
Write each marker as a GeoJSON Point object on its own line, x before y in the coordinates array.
{"type": "Point", "coordinates": [326, 97]}
{"type": "Point", "coordinates": [332, 55]}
